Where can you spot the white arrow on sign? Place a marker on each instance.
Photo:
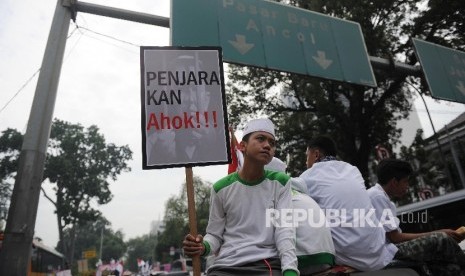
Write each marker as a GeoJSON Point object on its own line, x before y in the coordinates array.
{"type": "Point", "coordinates": [461, 87]}
{"type": "Point", "coordinates": [240, 44]}
{"type": "Point", "coordinates": [321, 60]}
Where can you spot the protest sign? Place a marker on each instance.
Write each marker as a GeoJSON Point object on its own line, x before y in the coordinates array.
{"type": "Point", "coordinates": [184, 118]}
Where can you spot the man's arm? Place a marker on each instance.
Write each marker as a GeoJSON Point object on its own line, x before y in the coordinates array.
{"type": "Point", "coordinates": [212, 241]}
{"type": "Point", "coordinates": [385, 213]}
{"type": "Point", "coordinates": [216, 224]}
{"type": "Point", "coordinates": [285, 236]}
{"type": "Point", "coordinates": [397, 237]}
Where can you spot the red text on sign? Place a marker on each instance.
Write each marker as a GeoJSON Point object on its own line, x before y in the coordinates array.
{"type": "Point", "coordinates": [183, 121]}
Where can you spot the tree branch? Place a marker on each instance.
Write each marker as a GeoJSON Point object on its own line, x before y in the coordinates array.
{"type": "Point", "coordinates": [47, 197]}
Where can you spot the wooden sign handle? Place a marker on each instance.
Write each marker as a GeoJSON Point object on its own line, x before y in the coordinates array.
{"type": "Point", "coordinates": [192, 216]}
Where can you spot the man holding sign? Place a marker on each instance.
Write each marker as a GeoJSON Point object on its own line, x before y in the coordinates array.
{"type": "Point", "coordinates": [238, 232]}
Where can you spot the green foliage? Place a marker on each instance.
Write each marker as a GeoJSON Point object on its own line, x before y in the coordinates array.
{"type": "Point", "coordinates": [140, 248]}
{"type": "Point", "coordinates": [88, 237]}
{"type": "Point", "coordinates": [79, 164]}
{"type": "Point", "coordinates": [176, 218]}
{"type": "Point", "coordinates": [429, 170]}
{"type": "Point", "coordinates": [10, 147]}
{"type": "Point", "coordinates": [442, 23]}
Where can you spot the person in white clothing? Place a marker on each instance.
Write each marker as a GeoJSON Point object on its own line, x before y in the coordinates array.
{"type": "Point", "coordinates": [237, 232]}
{"type": "Point", "coordinates": [438, 249]}
{"type": "Point", "coordinates": [314, 244]}
{"type": "Point", "coordinates": [339, 189]}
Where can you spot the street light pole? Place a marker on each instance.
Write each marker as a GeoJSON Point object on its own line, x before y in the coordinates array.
{"type": "Point", "coordinates": [441, 153]}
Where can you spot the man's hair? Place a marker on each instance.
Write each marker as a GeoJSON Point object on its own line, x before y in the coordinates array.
{"type": "Point", "coordinates": [246, 137]}
{"type": "Point", "coordinates": [325, 144]}
{"type": "Point", "coordinates": [393, 168]}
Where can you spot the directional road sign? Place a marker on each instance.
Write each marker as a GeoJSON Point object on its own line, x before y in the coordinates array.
{"type": "Point", "coordinates": [275, 36]}
{"type": "Point", "coordinates": [444, 70]}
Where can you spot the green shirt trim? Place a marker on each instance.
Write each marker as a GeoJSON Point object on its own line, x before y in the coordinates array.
{"type": "Point", "coordinates": [290, 272]}
{"type": "Point", "coordinates": [234, 177]}
{"type": "Point", "coordinates": [315, 259]}
{"type": "Point", "coordinates": [279, 176]}
{"type": "Point", "coordinates": [207, 248]}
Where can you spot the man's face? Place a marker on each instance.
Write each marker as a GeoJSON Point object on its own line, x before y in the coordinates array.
{"type": "Point", "coordinates": [260, 147]}
{"type": "Point", "coordinates": [312, 156]}
{"type": "Point", "coordinates": [400, 187]}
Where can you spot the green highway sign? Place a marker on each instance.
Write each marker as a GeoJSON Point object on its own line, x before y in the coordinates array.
{"type": "Point", "coordinates": [444, 69]}
{"type": "Point", "coordinates": [275, 36]}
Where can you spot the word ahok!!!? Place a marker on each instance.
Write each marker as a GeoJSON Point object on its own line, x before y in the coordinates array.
{"type": "Point", "coordinates": [184, 121]}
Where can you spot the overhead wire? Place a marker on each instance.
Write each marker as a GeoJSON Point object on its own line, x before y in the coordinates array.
{"type": "Point", "coordinates": [77, 28]}
{"type": "Point", "coordinates": [30, 79]}
{"type": "Point", "coordinates": [109, 36]}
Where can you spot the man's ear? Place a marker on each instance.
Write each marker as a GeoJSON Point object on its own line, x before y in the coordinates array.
{"type": "Point", "coordinates": [241, 146]}
{"type": "Point", "coordinates": [317, 154]}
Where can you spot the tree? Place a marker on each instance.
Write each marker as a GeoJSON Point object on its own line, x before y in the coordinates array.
{"type": "Point", "coordinates": [10, 147]}
{"type": "Point", "coordinates": [79, 164]}
{"type": "Point", "coordinates": [140, 248]}
{"type": "Point", "coordinates": [427, 167]}
{"type": "Point", "coordinates": [357, 118]}
{"type": "Point", "coordinates": [441, 24]}
{"type": "Point", "coordinates": [176, 221]}
{"type": "Point", "coordinates": [89, 236]}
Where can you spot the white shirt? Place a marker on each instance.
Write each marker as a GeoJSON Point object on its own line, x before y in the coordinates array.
{"type": "Point", "coordinates": [313, 236]}
{"type": "Point", "coordinates": [385, 209]}
{"type": "Point", "coordinates": [339, 187]}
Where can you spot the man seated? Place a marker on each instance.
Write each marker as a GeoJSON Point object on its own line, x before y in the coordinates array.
{"type": "Point", "coordinates": [314, 244]}
{"type": "Point", "coordinates": [339, 189]}
{"type": "Point", "coordinates": [438, 249]}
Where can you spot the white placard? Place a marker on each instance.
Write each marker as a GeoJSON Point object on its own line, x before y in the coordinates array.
{"type": "Point", "coordinates": [184, 118]}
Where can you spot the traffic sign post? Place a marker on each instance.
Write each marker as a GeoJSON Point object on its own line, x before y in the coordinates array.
{"type": "Point", "coordinates": [89, 254]}
{"type": "Point", "coordinates": [275, 36]}
{"type": "Point", "coordinates": [444, 69]}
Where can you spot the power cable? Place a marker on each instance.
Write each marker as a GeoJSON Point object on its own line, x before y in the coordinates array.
{"type": "Point", "coordinates": [79, 28]}
{"type": "Point", "coordinates": [20, 89]}
{"type": "Point", "coordinates": [108, 36]}
{"type": "Point", "coordinates": [30, 79]}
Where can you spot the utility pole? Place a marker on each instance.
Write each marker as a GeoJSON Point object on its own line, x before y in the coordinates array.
{"type": "Point", "coordinates": [19, 232]}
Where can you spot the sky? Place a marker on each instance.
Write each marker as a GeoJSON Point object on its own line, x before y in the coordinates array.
{"type": "Point", "coordinates": [100, 85]}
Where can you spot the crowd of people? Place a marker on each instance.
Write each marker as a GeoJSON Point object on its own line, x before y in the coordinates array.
{"type": "Point", "coordinates": [265, 222]}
